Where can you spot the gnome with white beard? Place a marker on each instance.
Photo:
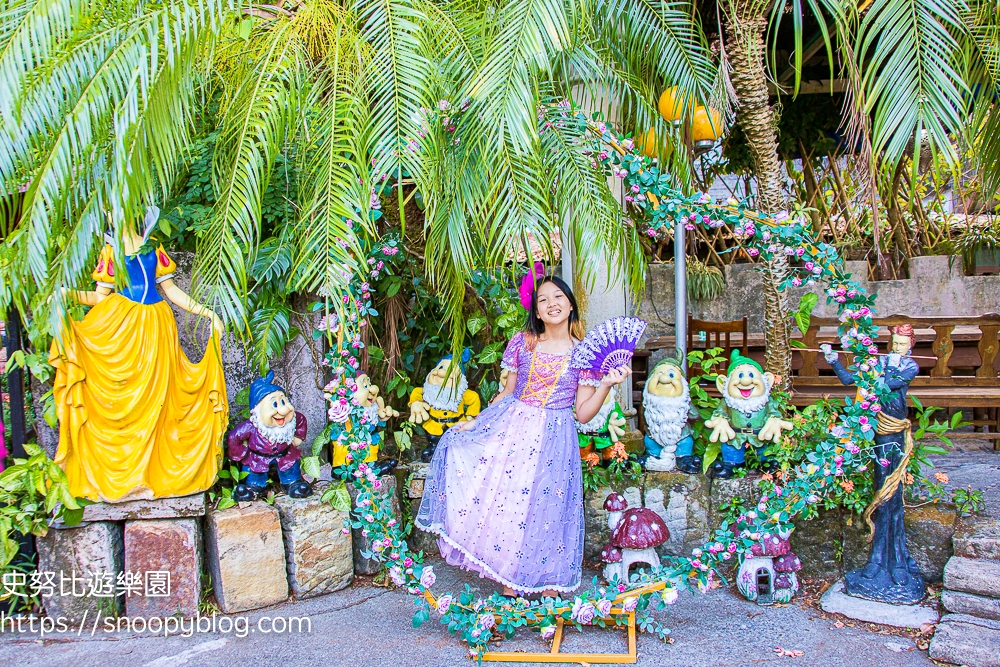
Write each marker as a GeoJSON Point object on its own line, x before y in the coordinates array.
{"type": "Point", "coordinates": [443, 401]}
{"type": "Point", "coordinates": [271, 437]}
{"type": "Point", "coordinates": [746, 417]}
{"type": "Point", "coordinates": [666, 404]}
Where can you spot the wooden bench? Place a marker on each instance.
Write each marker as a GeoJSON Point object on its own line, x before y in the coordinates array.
{"type": "Point", "coordinates": [966, 376]}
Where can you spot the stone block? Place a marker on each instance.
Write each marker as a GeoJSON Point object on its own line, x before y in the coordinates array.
{"type": "Point", "coordinates": [976, 576]}
{"type": "Point", "coordinates": [973, 605]}
{"type": "Point", "coordinates": [966, 640]}
{"type": "Point", "coordinates": [633, 442]}
{"type": "Point", "coordinates": [977, 537]}
{"type": "Point", "coordinates": [77, 557]}
{"type": "Point", "coordinates": [725, 491]}
{"type": "Point", "coordinates": [167, 554]}
{"type": "Point", "coordinates": [165, 508]}
{"type": "Point", "coordinates": [362, 543]}
{"type": "Point", "coordinates": [595, 519]}
{"type": "Point", "coordinates": [837, 601]}
{"type": "Point", "coordinates": [682, 501]}
{"type": "Point", "coordinates": [246, 557]}
{"type": "Point", "coordinates": [415, 480]}
{"type": "Point", "coordinates": [318, 554]}
{"type": "Point", "coordinates": [420, 540]}
{"type": "Point", "coordinates": [819, 544]}
{"type": "Point", "coordinates": [929, 530]}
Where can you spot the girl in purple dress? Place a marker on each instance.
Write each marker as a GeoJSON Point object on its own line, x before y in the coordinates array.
{"type": "Point", "coordinates": [504, 492]}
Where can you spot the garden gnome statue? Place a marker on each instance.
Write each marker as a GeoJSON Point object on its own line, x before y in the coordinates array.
{"type": "Point", "coordinates": [891, 575]}
{"type": "Point", "coordinates": [599, 436]}
{"type": "Point", "coordinates": [746, 417]}
{"type": "Point", "coordinates": [376, 414]}
{"type": "Point", "coordinates": [443, 401]}
{"type": "Point", "coordinates": [271, 436]}
{"type": "Point", "coordinates": [666, 404]}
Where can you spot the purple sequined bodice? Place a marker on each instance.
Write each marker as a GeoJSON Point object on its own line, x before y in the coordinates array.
{"type": "Point", "coordinates": [545, 380]}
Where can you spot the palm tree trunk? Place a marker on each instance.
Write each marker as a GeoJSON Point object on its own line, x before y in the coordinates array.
{"type": "Point", "coordinates": [746, 21]}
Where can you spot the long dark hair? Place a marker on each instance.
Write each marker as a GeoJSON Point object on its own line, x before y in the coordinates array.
{"type": "Point", "coordinates": [535, 327]}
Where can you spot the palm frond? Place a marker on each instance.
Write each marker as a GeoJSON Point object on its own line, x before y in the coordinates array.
{"type": "Point", "coordinates": [397, 81]}
{"type": "Point", "coordinates": [581, 190]}
{"type": "Point", "coordinates": [982, 49]}
{"type": "Point", "coordinates": [504, 93]}
{"type": "Point", "coordinates": [911, 82]}
{"type": "Point", "coordinates": [256, 113]}
{"type": "Point", "coordinates": [336, 189]}
{"type": "Point", "coordinates": [107, 144]}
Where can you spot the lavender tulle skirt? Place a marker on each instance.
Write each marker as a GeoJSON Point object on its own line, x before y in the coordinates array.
{"type": "Point", "coordinates": [506, 498]}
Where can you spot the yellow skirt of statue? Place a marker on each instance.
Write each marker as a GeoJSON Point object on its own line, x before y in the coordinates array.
{"type": "Point", "coordinates": [137, 419]}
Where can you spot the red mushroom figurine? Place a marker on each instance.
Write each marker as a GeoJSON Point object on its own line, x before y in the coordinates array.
{"type": "Point", "coordinates": [638, 534]}
{"type": "Point", "coordinates": [611, 556]}
{"type": "Point", "coordinates": [614, 505]}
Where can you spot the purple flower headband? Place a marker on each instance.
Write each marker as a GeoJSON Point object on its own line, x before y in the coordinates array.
{"type": "Point", "coordinates": [528, 284]}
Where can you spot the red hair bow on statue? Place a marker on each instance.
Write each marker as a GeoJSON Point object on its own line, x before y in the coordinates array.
{"type": "Point", "coordinates": [528, 284]}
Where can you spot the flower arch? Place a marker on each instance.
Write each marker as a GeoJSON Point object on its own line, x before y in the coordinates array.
{"type": "Point", "coordinates": [653, 203]}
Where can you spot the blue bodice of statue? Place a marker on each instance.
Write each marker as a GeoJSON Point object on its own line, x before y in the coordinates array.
{"type": "Point", "coordinates": [141, 279]}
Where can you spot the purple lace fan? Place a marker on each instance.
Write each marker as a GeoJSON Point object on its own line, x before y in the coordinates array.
{"type": "Point", "coordinates": [610, 344]}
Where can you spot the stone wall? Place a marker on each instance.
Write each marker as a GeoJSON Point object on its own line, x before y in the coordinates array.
{"type": "Point", "coordinates": [831, 543]}
{"type": "Point", "coordinates": [937, 286]}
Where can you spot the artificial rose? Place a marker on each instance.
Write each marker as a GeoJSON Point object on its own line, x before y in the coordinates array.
{"type": "Point", "coordinates": [443, 604]}
{"type": "Point", "coordinates": [583, 612]}
{"type": "Point", "coordinates": [548, 631]}
{"type": "Point", "coordinates": [669, 595]}
{"type": "Point", "coordinates": [604, 608]}
{"type": "Point", "coordinates": [338, 412]}
{"type": "Point", "coordinates": [486, 621]}
{"type": "Point", "coordinates": [397, 576]}
{"type": "Point", "coordinates": [427, 577]}
{"type": "Point", "coordinates": [630, 604]}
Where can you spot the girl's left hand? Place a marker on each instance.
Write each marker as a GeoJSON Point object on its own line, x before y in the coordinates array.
{"type": "Point", "coordinates": [616, 376]}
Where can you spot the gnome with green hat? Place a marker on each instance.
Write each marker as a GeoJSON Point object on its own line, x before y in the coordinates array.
{"type": "Point", "coordinates": [666, 405]}
{"type": "Point", "coordinates": [746, 417]}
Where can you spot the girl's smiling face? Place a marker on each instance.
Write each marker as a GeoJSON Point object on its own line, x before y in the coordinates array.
{"type": "Point", "coordinates": [553, 307]}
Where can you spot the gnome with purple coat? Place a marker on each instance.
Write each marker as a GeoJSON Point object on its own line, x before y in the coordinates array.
{"type": "Point", "coordinates": [271, 436]}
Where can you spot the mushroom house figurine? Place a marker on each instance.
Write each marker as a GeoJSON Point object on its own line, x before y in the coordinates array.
{"type": "Point", "coordinates": [635, 534]}
{"type": "Point", "coordinates": [756, 575]}
{"type": "Point", "coordinates": [271, 437]}
{"type": "Point", "coordinates": [443, 401]}
{"type": "Point", "coordinates": [667, 408]}
{"type": "Point", "coordinates": [599, 435]}
{"type": "Point", "coordinates": [364, 394]}
{"type": "Point", "coordinates": [746, 417]}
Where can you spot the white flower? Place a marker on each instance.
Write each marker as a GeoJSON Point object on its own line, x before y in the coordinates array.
{"type": "Point", "coordinates": [396, 575]}
{"type": "Point", "coordinates": [427, 577]}
{"type": "Point", "coordinates": [443, 604]}
{"type": "Point", "coordinates": [669, 595]}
